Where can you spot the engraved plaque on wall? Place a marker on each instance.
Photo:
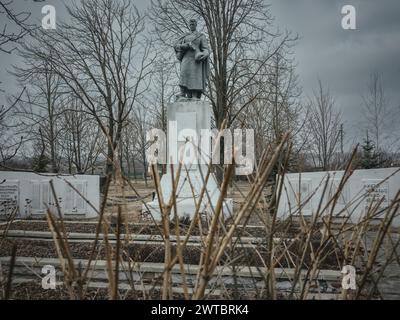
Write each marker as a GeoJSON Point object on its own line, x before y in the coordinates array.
{"type": "Point", "coordinates": [9, 197]}
{"type": "Point", "coordinates": [376, 191]}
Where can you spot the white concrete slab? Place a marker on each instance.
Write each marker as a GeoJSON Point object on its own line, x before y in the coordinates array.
{"type": "Point", "coordinates": [363, 188]}
{"type": "Point", "coordinates": [32, 195]}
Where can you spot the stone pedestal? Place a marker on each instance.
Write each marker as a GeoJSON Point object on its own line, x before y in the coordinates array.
{"type": "Point", "coordinates": [186, 119]}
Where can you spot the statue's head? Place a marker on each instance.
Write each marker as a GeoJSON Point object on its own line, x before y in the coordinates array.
{"type": "Point", "coordinates": [192, 24]}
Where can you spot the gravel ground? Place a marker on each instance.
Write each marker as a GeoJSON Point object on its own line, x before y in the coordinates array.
{"type": "Point", "coordinates": [33, 291]}
{"type": "Point", "coordinates": [143, 253]}
{"type": "Point", "coordinates": [285, 231]}
{"type": "Point", "coordinates": [70, 227]}
{"type": "Point", "coordinates": [46, 249]}
{"type": "Point", "coordinates": [135, 229]}
{"type": "Point", "coordinates": [281, 231]}
{"type": "Point", "coordinates": [146, 253]}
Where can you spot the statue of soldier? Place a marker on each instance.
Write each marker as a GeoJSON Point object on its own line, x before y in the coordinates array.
{"type": "Point", "coordinates": [192, 51]}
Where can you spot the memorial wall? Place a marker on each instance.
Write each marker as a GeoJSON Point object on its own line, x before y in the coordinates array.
{"type": "Point", "coordinates": [365, 188]}
{"type": "Point", "coordinates": [28, 194]}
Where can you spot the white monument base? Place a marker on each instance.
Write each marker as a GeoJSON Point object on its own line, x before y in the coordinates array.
{"type": "Point", "coordinates": [187, 195]}
{"type": "Point", "coordinates": [194, 115]}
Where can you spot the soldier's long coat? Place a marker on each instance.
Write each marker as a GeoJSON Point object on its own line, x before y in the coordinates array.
{"type": "Point", "coordinates": [194, 74]}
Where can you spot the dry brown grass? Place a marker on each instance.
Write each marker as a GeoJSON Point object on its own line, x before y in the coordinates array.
{"type": "Point", "coordinates": [299, 247]}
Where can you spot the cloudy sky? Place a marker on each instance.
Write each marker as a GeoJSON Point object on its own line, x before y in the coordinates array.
{"type": "Point", "coordinates": [342, 59]}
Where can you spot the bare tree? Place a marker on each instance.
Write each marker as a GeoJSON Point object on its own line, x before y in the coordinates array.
{"type": "Point", "coordinates": [141, 124]}
{"type": "Point", "coordinates": [277, 108]}
{"type": "Point", "coordinates": [14, 26]}
{"type": "Point", "coordinates": [103, 60]}
{"type": "Point", "coordinates": [20, 27]}
{"type": "Point", "coordinates": [39, 113]}
{"type": "Point", "coordinates": [129, 153]}
{"type": "Point", "coordinates": [81, 140]}
{"type": "Point", "coordinates": [323, 127]}
{"type": "Point", "coordinates": [10, 143]}
{"type": "Point", "coordinates": [162, 91]}
{"type": "Point", "coordinates": [377, 112]}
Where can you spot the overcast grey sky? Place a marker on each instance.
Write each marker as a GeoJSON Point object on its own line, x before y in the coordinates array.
{"type": "Point", "coordinates": [342, 59]}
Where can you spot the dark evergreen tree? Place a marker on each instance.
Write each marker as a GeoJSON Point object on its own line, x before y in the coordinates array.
{"type": "Point", "coordinates": [369, 158]}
